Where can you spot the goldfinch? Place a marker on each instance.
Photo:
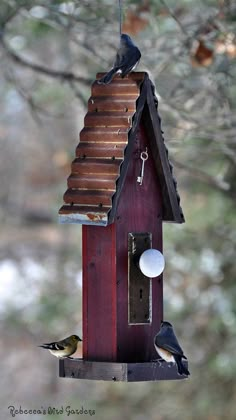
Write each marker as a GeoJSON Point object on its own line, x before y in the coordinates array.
{"type": "Point", "coordinates": [167, 346]}
{"type": "Point", "coordinates": [63, 348]}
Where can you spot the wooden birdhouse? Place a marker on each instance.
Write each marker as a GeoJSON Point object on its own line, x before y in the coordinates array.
{"type": "Point", "coordinates": [121, 189]}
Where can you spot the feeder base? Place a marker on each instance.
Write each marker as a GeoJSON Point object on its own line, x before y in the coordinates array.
{"type": "Point", "coordinates": [112, 371]}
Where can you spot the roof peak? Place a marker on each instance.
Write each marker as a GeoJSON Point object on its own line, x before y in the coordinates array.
{"type": "Point", "coordinates": [106, 143]}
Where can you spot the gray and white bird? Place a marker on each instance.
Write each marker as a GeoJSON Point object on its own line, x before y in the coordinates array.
{"type": "Point", "coordinates": [63, 348]}
{"type": "Point", "coordinates": [167, 346]}
{"type": "Point", "coordinates": [127, 57]}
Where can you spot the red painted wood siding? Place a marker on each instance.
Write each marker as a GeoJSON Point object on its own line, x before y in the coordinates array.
{"type": "Point", "coordinates": [99, 293]}
{"type": "Point", "coordinates": [139, 210]}
{"type": "Point", "coordinates": [106, 333]}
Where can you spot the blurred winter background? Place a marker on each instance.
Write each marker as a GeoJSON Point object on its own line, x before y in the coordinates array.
{"type": "Point", "coordinates": [50, 52]}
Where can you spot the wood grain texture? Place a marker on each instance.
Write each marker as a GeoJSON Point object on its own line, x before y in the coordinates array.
{"type": "Point", "coordinates": [139, 210]}
{"type": "Point", "coordinates": [99, 293]}
{"type": "Point", "coordinates": [107, 334]}
{"type": "Point", "coordinates": [126, 372]}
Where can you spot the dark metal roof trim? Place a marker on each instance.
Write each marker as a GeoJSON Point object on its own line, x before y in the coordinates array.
{"type": "Point", "coordinates": [128, 152]}
{"type": "Point", "coordinates": [147, 110]}
{"type": "Point", "coordinates": [170, 196]}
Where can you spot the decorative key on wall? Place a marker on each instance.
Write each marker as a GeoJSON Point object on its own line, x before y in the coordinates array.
{"type": "Point", "coordinates": [144, 157]}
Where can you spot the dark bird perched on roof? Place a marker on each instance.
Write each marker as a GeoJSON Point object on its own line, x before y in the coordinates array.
{"type": "Point", "coordinates": [127, 57]}
{"type": "Point", "coordinates": [63, 348]}
{"type": "Point", "coordinates": [167, 346]}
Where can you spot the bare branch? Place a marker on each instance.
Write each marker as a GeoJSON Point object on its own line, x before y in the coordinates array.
{"type": "Point", "coordinates": [197, 173]}
{"type": "Point", "coordinates": [35, 109]}
{"type": "Point", "coordinates": [172, 14]}
{"type": "Point", "coordinates": [63, 75]}
{"type": "Point", "coordinates": [77, 93]}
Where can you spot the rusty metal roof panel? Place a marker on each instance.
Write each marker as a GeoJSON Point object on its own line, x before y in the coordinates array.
{"type": "Point", "coordinates": [97, 198]}
{"type": "Point", "coordinates": [101, 150]}
{"type": "Point", "coordinates": [87, 165]}
{"type": "Point", "coordinates": [88, 215]}
{"type": "Point", "coordinates": [95, 182]}
{"type": "Point", "coordinates": [89, 181]}
{"type": "Point", "coordinates": [103, 103]}
{"type": "Point", "coordinates": [108, 119]}
{"type": "Point", "coordinates": [104, 134]}
{"type": "Point", "coordinates": [127, 87]}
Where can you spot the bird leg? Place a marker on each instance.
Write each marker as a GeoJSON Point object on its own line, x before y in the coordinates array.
{"type": "Point", "coordinates": [159, 361]}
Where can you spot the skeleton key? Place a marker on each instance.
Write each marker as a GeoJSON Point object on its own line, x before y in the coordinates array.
{"type": "Point", "coordinates": [144, 157]}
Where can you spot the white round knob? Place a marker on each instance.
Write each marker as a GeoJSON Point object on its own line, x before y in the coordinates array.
{"type": "Point", "coordinates": [152, 263]}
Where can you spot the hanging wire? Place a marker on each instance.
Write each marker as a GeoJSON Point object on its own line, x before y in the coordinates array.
{"type": "Point", "coordinates": [120, 15]}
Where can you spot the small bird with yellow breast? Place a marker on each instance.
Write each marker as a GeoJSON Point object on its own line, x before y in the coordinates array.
{"type": "Point", "coordinates": [63, 348]}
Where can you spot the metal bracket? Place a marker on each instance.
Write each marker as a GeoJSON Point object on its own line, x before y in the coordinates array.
{"type": "Point", "coordinates": [139, 285]}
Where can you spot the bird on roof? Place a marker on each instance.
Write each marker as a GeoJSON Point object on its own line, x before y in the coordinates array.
{"type": "Point", "coordinates": [63, 348]}
{"type": "Point", "coordinates": [127, 57]}
{"type": "Point", "coordinates": [167, 346]}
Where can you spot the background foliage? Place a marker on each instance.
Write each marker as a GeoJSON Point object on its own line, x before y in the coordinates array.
{"type": "Point", "coordinates": [50, 52]}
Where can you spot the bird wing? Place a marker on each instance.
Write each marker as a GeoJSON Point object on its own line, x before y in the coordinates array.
{"type": "Point", "coordinates": [59, 346]}
{"type": "Point", "coordinates": [128, 59]}
{"type": "Point", "coordinates": [169, 342]}
{"type": "Point", "coordinates": [54, 346]}
{"type": "Point", "coordinates": [131, 64]}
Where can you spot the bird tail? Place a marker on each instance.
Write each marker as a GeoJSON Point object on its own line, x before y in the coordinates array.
{"type": "Point", "coordinates": [105, 80]}
{"type": "Point", "coordinates": [182, 370]}
{"type": "Point", "coordinates": [46, 346]}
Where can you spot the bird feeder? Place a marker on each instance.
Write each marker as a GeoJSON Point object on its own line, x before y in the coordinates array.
{"type": "Point", "coordinates": [121, 189]}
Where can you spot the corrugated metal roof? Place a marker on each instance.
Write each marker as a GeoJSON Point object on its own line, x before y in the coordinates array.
{"type": "Point", "coordinates": [113, 115]}
{"type": "Point", "coordinates": [100, 152]}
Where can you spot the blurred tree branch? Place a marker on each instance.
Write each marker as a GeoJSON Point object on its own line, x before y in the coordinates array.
{"type": "Point", "coordinates": [199, 174]}
{"type": "Point", "coordinates": [174, 16]}
{"type": "Point", "coordinates": [57, 74]}
{"type": "Point", "coordinates": [198, 103]}
{"type": "Point", "coordinates": [50, 52]}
